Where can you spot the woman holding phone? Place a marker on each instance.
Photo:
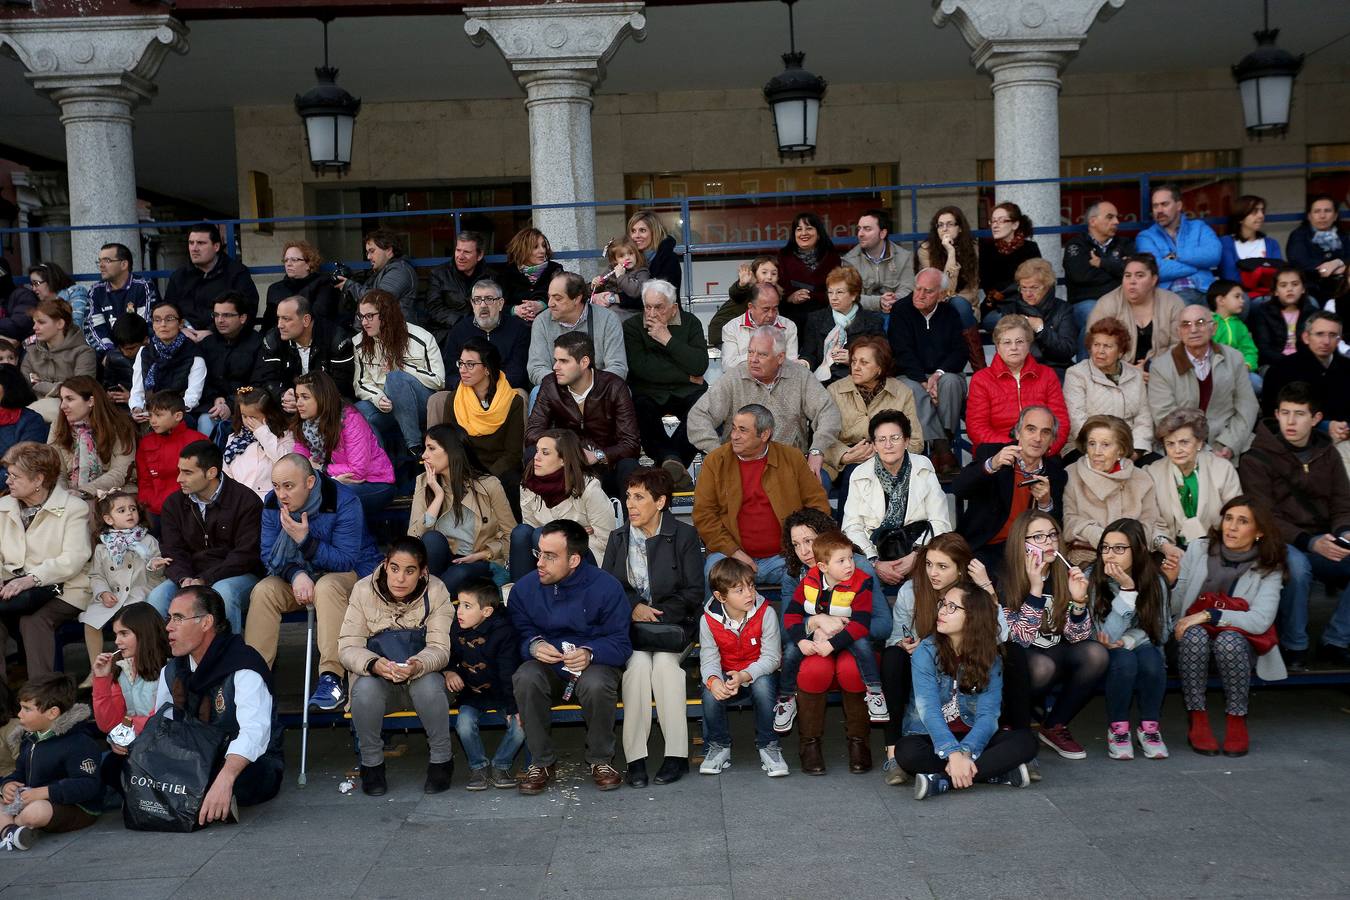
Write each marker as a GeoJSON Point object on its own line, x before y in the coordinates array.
{"type": "Point", "coordinates": [1047, 608]}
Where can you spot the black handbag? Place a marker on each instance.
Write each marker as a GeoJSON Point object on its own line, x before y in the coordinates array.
{"type": "Point", "coordinates": [402, 644]}
{"type": "Point", "coordinates": [895, 543]}
{"type": "Point", "coordinates": [658, 637]}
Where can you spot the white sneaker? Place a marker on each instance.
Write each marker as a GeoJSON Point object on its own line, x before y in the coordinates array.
{"type": "Point", "coordinates": [771, 761]}
{"type": "Point", "coordinates": [716, 759]}
{"type": "Point", "coordinates": [1151, 743]}
{"type": "Point", "coordinates": [1118, 745]}
{"type": "Point", "coordinates": [784, 714]}
{"type": "Point", "coordinates": [876, 706]}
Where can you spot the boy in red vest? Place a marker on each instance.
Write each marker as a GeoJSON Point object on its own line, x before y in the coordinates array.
{"type": "Point", "coordinates": [739, 651]}
{"type": "Point", "coordinates": [157, 455]}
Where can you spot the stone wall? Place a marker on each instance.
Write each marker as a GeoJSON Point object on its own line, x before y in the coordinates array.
{"type": "Point", "coordinates": [934, 131]}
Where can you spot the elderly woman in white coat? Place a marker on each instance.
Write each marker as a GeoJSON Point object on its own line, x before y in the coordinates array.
{"type": "Point", "coordinates": [44, 552]}
{"type": "Point", "coordinates": [1243, 557]}
{"type": "Point", "coordinates": [1103, 385]}
{"type": "Point", "coordinates": [1191, 483]}
{"type": "Point", "coordinates": [896, 488]}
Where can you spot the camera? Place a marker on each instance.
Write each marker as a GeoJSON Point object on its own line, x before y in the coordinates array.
{"type": "Point", "coordinates": [340, 271]}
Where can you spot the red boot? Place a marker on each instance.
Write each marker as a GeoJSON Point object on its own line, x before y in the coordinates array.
{"type": "Point", "coordinates": [1200, 737]}
{"type": "Point", "coordinates": [1235, 736]}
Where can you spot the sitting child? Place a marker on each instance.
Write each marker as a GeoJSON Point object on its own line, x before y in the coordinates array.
{"type": "Point", "coordinates": [125, 682]}
{"type": "Point", "coordinates": [126, 568]}
{"type": "Point", "coordinates": [157, 454]}
{"type": "Point", "coordinates": [622, 284]}
{"type": "Point", "coordinates": [129, 335]}
{"type": "Point", "coordinates": [739, 651]}
{"type": "Point", "coordinates": [1227, 301]}
{"type": "Point", "coordinates": [484, 656]}
{"type": "Point", "coordinates": [9, 352]}
{"type": "Point", "coordinates": [833, 587]}
{"type": "Point", "coordinates": [760, 270]}
{"type": "Point", "coordinates": [57, 789]}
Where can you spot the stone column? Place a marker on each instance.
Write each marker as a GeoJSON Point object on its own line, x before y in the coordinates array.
{"type": "Point", "coordinates": [558, 53]}
{"type": "Point", "coordinates": [54, 211]}
{"type": "Point", "coordinates": [97, 69]}
{"type": "Point", "coordinates": [1024, 45]}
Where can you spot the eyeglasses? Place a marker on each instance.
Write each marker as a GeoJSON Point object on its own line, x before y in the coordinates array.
{"type": "Point", "coordinates": [948, 606]}
{"type": "Point", "coordinates": [886, 439]}
{"type": "Point", "coordinates": [1013, 342]}
{"type": "Point", "coordinates": [164, 320]}
{"type": "Point", "coordinates": [225, 315]}
{"type": "Point", "coordinates": [547, 556]}
{"type": "Point", "coordinates": [483, 301]}
{"type": "Point", "coordinates": [1043, 537]}
{"type": "Point", "coordinates": [293, 259]}
{"type": "Point", "coordinates": [1194, 323]}
{"type": "Point", "coordinates": [1000, 221]}
{"type": "Point", "coordinates": [366, 317]}
{"type": "Point", "coordinates": [179, 618]}
{"type": "Point", "coordinates": [1115, 549]}
{"type": "Point", "coordinates": [466, 364]}
{"type": "Point", "coordinates": [108, 260]}
{"type": "Point", "coordinates": [36, 282]}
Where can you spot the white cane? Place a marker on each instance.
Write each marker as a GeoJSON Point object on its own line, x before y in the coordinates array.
{"type": "Point", "coordinates": [304, 717]}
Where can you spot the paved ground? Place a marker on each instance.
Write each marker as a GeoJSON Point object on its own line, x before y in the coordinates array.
{"type": "Point", "coordinates": [1270, 824]}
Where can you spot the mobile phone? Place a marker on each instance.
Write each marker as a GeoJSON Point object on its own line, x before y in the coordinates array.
{"type": "Point", "coordinates": [909, 635]}
{"type": "Point", "coordinates": [1030, 481]}
{"type": "Point", "coordinates": [1036, 553]}
{"type": "Point", "coordinates": [1341, 542]}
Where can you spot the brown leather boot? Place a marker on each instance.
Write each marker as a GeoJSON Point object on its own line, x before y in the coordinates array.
{"type": "Point", "coordinates": [975, 347]}
{"type": "Point", "coordinates": [943, 459]}
{"type": "Point", "coordinates": [810, 727]}
{"type": "Point", "coordinates": [858, 731]}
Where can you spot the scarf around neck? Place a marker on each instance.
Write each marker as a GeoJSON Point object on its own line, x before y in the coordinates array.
{"type": "Point", "coordinates": [1225, 568]}
{"type": "Point", "coordinates": [240, 441]}
{"type": "Point", "coordinates": [843, 320]}
{"type": "Point", "coordinates": [318, 453]}
{"type": "Point", "coordinates": [1328, 241]}
{"type": "Point", "coordinates": [121, 541]}
{"type": "Point", "coordinates": [1010, 245]}
{"type": "Point", "coordinates": [552, 489]}
{"type": "Point", "coordinates": [85, 465]}
{"type": "Point", "coordinates": [810, 256]}
{"type": "Point", "coordinates": [897, 493]}
{"type": "Point", "coordinates": [533, 272]}
{"type": "Point", "coordinates": [285, 552]}
{"type": "Point", "coordinates": [9, 416]}
{"type": "Point", "coordinates": [164, 354]}
{"type": "Point", "coordinates": [473, 418]}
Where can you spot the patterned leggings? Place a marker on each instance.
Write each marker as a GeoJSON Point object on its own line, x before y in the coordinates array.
{"type": "Point", "coordinates": [1233, 659]}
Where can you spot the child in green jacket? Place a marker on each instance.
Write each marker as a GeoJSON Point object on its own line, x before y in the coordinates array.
{"type": "Point", "coordinates": [1227, 300]}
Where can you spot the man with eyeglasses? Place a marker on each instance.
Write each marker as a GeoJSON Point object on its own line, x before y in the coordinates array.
{"type": "Point", "coordinates": [208, 274]}
{"type": "Point", "coordinates": [451, 283]}
{"type": "Point", "coordinates": [573, 620]}
{"type": "Point", "coordinates": [300, 344]}
{"type": "Point", "coordinates": [231, 354]}
{"type": "Point", "coordinates": [221, 680]}
{"type": "Point", "coordinates": [117, 293]}
{"type": "Point", "coordinates": [1201, 374]}
{"type": "Point", "coordinates": [1319, 364]}
{"type": "Point", "coordinates": [1005, 480]}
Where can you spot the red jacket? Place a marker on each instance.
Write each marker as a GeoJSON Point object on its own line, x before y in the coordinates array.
{"type": "Point", "coordinates": [997, 399]}
{"type": "Point", "coordinates": [157, 464]}
{"type": "Point", "coordinates": [738, 650]}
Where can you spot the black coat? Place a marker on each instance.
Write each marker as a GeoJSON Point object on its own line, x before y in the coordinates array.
{"type": "Point", "coordinates": [1269, 332]}
{"type": "Point", "coordinates": [1082, 279]}
{"type": "Point", "coordinates": [674, 568]}
{"type": "Point", "coordinates": [922, 347]}
{"type": "Point", "coordinates": [486, 657]}
{"type": "Point", "coordinates": [511, 337]}
{"type": "Point", "coordinates": [325, 302]}
{"type": "Point", "coordinates": [998, 270]}
{"type": "Point", "coordinates": [811, 343]}
{"type": "Point", "coordinates": [194, 292]}
{"type": "Point", "coordinates": [666, 264]}
{"type": "Point", "coordinates": [988, 498]}
{"type": "Point", "coordinates": [331, 350]}
{"type": "Point", "coordinates": [1303, 253]}
{"type": "Point", "coordinates": [1330, 384]}
{"type": "Point", "coordinates": [16, 319]}
{"type": "Point", "coordinates": [1057, 344]}
{"type": "Point", "coordinates": [66, 763]}
{"type": "Point", "coordinates": [448, 293]}
{"type": "Point", "coordinates": [229, 364]}
{"type": "Point", "coordinates": [516, 287]}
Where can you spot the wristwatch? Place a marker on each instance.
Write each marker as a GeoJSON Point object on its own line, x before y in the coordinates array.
{"type": "Point", "coordinates": [815, 452]}
{"type": "Point", "coordinates": [600, 457]}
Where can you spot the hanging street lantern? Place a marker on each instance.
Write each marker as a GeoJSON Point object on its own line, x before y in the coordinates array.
{"type": "Point", "coordinates": [794, 95]}
{"type": "Point", "coordinates": [329, 114]}
{"type": "Point", "coordinates": [1265, 80]}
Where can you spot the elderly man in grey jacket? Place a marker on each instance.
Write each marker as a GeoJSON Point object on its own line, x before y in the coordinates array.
{"type": "Point", "coordinates": [806, 416]}
{"type": "Point", "coordinates": [887, 269]}
{"type": "Point", "coordinates": [1200, 374]}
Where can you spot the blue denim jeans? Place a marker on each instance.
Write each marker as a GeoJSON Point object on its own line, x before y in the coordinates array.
{"type": "Point", "coordinates": [763, 693]}
{"type": "Point", "coordinates": [466, 726]}
{"type": "Point", "coordinates": [881, 610]}
{"type": "Point", "coordinates": [1293, 619]}
{"type": "Point", "coordinates": [440, 562]}
{"type": "Point", "coordinates": [1081, 311]}
{"type": "Point", "coordinates": [1141, 672]}
{"type": "Point", "coordinates": [862, 654]}
{"type": "Point", "coordinates": [409, 397]}
{"type": "Point", "coordinates": [234, 591]}
{"type": "Point", "coordinates": [964, 310]}
{"type": "Point", "coordinates": [374, 495]}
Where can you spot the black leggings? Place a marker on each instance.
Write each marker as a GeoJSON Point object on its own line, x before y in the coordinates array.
{"type": "Point", "coordinates": [1005, 751]}
{"type": "Point", "coordinates": [1077, 667]}
{"type": "Point", "coordinates": [895, 685]}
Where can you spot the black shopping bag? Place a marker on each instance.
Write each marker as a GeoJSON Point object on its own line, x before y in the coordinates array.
{"type": "Point", "coordinates": [169, 770]}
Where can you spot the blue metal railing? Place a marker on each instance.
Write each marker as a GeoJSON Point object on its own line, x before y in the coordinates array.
{"type": "Point", "coordinates": [688, 247]}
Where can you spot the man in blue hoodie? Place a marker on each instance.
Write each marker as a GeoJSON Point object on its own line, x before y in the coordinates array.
{"type": "Point", "coordinates": [1187, 249]}
{"type": "Point", "coordinates": [572, 618]}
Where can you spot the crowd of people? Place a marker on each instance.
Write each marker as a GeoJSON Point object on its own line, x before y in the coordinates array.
{"type": "Point", "coordinates": [1157, 472]}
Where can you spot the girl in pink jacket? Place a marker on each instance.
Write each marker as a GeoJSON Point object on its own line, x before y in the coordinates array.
{"type": "Point", "coordinates": [339, 441]}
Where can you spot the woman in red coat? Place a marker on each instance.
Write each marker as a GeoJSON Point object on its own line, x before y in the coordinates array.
{"type": "Point", "coordinates": [1011, 383]}
{"type": "Point", "coordinates": [803, 263]}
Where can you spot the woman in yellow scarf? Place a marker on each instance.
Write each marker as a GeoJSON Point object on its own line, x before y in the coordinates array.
{"type": "Point", "coordinates": [491, 413]}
